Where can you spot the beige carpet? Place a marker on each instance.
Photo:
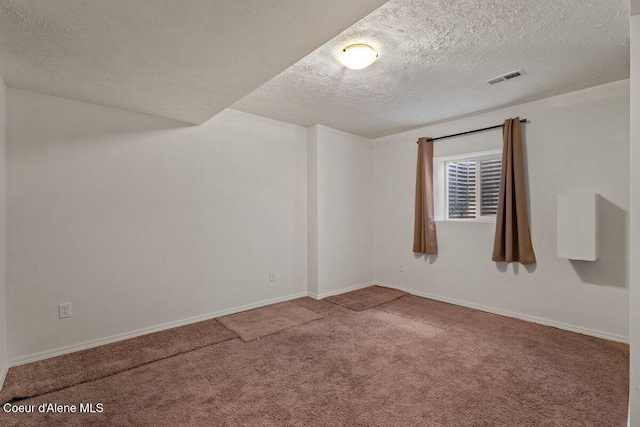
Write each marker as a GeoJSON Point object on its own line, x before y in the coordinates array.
{"type": "Point", "coordinates": [365, 298]}
{"type": "Point", "coordinates": [264, 321]}
{"type": "Point", "coordinates": [427, 311]}
{"type": "Point", "coordinates": [322, 307]}
{"type": "Point", "coordinates": [369, 368]}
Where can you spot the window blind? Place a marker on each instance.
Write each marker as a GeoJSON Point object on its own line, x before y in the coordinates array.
{"type": "Point", "coordinates": [490, 171]}
{"type": "Point", "coordinates": [462, 189]}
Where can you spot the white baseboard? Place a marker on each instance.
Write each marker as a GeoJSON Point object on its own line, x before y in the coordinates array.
{"type": "Point", "coordinates": [340, 291]}
{"type": "Point", "coordinates": [127, 335]}
{"type": "Point", "coordinates": [3, 374]}
{"type": "Point", "coordinates": [120, 337]}
{"type": "Point", "coordinates": [546, 322]}
{"type": "Point", "coordinates": [144, 331]}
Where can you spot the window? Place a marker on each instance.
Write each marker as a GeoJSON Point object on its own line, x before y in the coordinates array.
{"type": "Point", "coordinates": [472, 187]}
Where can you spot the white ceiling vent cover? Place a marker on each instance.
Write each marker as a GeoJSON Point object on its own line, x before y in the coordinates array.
{"type": "Point", "coordinates": [505, 77]}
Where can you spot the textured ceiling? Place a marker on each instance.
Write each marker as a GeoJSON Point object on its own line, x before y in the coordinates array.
{"type": "Point", "coordinates": [435, 56]}
{"type": "Point", "coordinates": [185, 60]}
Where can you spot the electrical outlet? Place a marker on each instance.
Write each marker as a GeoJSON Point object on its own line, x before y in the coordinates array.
{"type": "Point", "coordinates": [64, 310]}
{"type": "Point", "coordinates": [272, 276]}
{"type": "Point", "coordinates": [401, 268]}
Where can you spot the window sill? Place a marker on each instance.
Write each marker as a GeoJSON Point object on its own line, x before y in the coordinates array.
{"type": "Point", "coordinates": [468, 221]}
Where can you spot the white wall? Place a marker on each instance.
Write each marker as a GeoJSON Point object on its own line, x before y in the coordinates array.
{"type": "Point", "coordinates": [140, 221]}
{"type": "Point", "coordinates": [575, 143]}
{"type": "Point", "coordinates": [312, 210]}
{"type": "Point", "coordinates": [634, 395]}
{"type": "Point", "coordinates": [3, 234]}
{"type": "Point", "coordinates": [344, 197]}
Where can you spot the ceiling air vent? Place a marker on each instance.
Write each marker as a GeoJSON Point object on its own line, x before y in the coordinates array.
{"type": "Point", "coordinates": [505, 77]}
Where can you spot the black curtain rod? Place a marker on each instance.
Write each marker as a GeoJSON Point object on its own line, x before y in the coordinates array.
{"type": "Point", "coordinates": [473, 131]}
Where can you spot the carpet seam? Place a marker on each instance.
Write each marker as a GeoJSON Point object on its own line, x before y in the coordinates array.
{"type": "Point", "coordinates": [416, 320]}
{"type": "Point", "coordinates": [281, 330]}
{"type": "Point", "coordinates": [237, 336]}
{"type": "Point", "coordinates": [18, 398]}
{"type": "Point", "coordinates": [443, 331]}
{"type": "Point", "coordinates": [200, 373]}
{"type": "Point", "coordinates": [366, 379]}
{"type": "Point", "coordinates": [368, 308]}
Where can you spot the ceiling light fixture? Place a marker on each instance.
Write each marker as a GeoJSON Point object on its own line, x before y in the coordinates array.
{"type": "Point", "coordinates": [358, 56]}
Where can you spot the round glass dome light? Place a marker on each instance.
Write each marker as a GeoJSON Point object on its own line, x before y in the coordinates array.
{"type": "Point", "coordinates": [358, 56]}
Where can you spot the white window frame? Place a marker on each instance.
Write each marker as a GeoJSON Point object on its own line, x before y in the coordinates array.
{"type": "Point", "coordinates": [478, 157]}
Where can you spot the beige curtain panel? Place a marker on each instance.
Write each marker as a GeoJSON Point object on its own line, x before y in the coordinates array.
{"type": "Point", "coordinates": [513, 239]}
{"type": "Point", "coordinates": [424, 232]}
